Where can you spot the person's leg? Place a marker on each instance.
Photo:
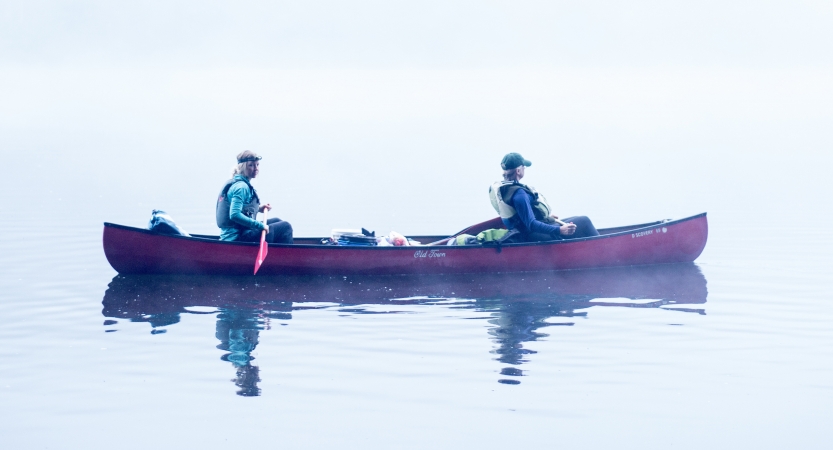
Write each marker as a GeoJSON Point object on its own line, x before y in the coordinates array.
{"type": "Point", "coordinates": [280, 232]}
{"type": "Point", "coordinates": [584, 227]}
{"type": "Point", "coordinates": [249, 236]}
{"type": "Point", "coordinates": [538, 237]}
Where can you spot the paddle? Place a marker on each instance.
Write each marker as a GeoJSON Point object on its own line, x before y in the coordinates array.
{"type": "Point", "coordinates": [264, 247]}
{"type": "Point", "coordinates": [560, 222]}
{"type": "Point", "coordinates": [478, 227]}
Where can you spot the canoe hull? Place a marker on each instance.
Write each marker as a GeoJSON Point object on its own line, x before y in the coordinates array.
{"type": "Point", "coordinates": [138, 251]}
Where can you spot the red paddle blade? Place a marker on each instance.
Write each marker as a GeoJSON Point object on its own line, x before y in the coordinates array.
{"type": "Point", "coordinates": [261, 254]}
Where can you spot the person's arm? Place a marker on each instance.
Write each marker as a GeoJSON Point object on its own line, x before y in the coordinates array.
{"type": "Point", "coordinates": [523, 207]}
{"type": "Point", "coordinates": [238, 200]}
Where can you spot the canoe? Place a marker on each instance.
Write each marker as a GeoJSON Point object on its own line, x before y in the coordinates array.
{"type": "Point", "coordinates": [132, 250]}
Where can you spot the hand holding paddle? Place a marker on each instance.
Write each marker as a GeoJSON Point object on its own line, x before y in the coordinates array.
{"type": "Point", "coordinates": [571, 227]}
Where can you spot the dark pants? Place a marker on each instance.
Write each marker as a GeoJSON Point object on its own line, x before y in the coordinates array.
{"type": "Point", "coordinates": [280, 232]}
{"type": "Point", "coordinates": [584, 228]}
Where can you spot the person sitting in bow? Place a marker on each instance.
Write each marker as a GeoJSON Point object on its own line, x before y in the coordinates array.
{"type": "Point", "coordinates": [238, 205]}
{"type": "Point", "coordinates": [522, 208]}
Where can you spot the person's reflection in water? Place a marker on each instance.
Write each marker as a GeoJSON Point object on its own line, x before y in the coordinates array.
{"type": "Point", "coordinates": [238, 332]}
{"type": "Point", "coordinates": [517, 322]}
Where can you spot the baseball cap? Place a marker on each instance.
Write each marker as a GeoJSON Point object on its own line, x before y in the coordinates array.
{"type": "Point", "coordinates": [513, 160]}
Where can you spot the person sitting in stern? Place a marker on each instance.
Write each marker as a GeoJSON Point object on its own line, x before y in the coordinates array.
{"type": "Point", "coordinates": [238, 205]}
{"type": "Point", "coordinates": [522, 208]}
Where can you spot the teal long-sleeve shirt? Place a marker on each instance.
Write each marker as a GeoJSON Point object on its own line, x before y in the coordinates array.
{"type": "Point", "coordinates": [239, 196]}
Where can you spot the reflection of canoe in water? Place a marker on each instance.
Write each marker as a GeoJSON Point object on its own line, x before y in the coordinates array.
{"type": "Point", "coordinates": [518, 306]}
{"type": "Point", "coordinates": [133, 251]}
{"type": "Point", "coordinates": [136, 296]}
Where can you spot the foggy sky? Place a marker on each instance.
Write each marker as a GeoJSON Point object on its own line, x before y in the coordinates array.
{"type": "Point", "coordinates": [454, 34]}
{"type": "Point", "coordinates": [630, 111]}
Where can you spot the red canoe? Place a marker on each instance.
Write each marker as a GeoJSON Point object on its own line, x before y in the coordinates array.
{"type": "Point", "coordinates": [138, 251]}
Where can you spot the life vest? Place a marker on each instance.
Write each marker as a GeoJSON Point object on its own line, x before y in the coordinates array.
{"type": "Point", "coordinates": [224, 205]}
{"type": "Point", "coordinates": [501, 192]}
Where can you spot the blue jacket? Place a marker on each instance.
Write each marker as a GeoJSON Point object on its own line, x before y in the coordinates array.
{"type": "Point", "coordinates": [525, 220]}
{"type": "Point", "coordinates": [239, 195]}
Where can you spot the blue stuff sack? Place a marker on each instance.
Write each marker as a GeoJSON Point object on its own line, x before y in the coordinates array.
{"type": "Point", "coordinates": [162, 223]}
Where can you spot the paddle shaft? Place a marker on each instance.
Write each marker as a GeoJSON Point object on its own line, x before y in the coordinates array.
{"type": "Point", "coordinates": [263, 233]}
{"type": "Point", "coordinates": [445, 240]}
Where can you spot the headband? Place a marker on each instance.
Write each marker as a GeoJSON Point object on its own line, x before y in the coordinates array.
{"type": "Point", "coordinates": [249, 158]}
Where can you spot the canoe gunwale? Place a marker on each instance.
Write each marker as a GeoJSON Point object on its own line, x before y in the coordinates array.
{"type": "Point", "coordinates": [214, 240]}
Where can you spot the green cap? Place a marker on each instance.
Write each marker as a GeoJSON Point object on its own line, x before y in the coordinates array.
{"type": "Point", "coordinates": [513, 160]}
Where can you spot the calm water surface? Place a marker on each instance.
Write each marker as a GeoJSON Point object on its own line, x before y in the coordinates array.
{"type": "Point", "coordinates": [733, 350]}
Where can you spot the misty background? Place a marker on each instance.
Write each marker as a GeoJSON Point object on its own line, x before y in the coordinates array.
{"type": "Point", "coordinates": [395, 115]}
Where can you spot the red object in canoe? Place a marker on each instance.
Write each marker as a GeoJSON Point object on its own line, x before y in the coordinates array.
{"type": "Point", "coordinates": [139, 251]}
{"type": "Point", "coordinates": [263, 250]}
